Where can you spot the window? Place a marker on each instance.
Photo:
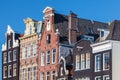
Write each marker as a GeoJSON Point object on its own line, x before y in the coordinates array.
{"type": "Point", "coordinates": [29, 74]}
{"type": "Point", "coordinates": [42, 76]}
{"type": "Point", "coordinates": [61, 71]}
{"type": "Point", "coordinates": [77, 62]}
{"type": "Point", "coordinates": [48, 39]}
{"type": "Point", "coordinates": [82, 61]}
{"type": "Point", "coordinates": [34, 73]}
{"type": "Point", "coordinates": [23, 74]}
{"type": "Point", "coordinates": [106, 61]}
{"type": "Point", "coordinates": [14, 69]}
{"type": "Point", "coordinates": [34, 49]}
{"type": "Point", "coordinates": [14, 55]}
{"type": "Point", "coordinates": [102, 33]}
{"type": "Point", "coordinates": [30, 29]}
{"type": "Point", "coordinates": [23, 53]}
{"type": "Point", "coordinates": [48, 25]}
{"type": "Point", "coordinates": [53, 55]}
{"type": "Point", "coordinates": [98, 78]}
{"type": "Point", "coordinates": [9, 56]}
{"type": "Point", "coordinates": [106, 77]}
{"type": "Point", "coordinates": [9, 71]}
{"type": "Point", "coordinates": [48, 76]}
{"type": "Point", "coordinates": [28, 51]}
{"type": "Point", "coordinates": [5, 72]}
{"type": "Point", "coordinates": [48, 57]}
{"type": "Point", "coordinates": [98, 62]}
{"type": "Point", "coordinates": [9, 43]}
{"type": "Point", "coordinates": [87, 60]}
{"type": "Point", "coordinates": [53, 75]}
{"type": "Point", "coordinates": [42, 59]}
{"type": "Point", "coordinates": [5, 57]}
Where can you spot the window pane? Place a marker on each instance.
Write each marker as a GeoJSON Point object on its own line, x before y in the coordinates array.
{"type": "Point", "coordinates": [77, 62]}
{"type": "Point", "coordinates": [98, 62]}
{"type": "Point", "coordinates": [34, 73]}
{"type": "Point", "coordinates": [14, 69]}
{"type": "Point", "coordinates": [5, 57]}
{"type": "Point", "coordinates": [53, 75]}
{"type": "Point", "coordinates": [87, 60]}
{"type": "Point", "coordinates": [23, 53]}
{"type": "Point", "coordinates": [48, 76]}
{"type": "Point", "coordinates": [9, 56]}
{"type": "Point", "coordinates": [106, 60]}
{"type": "Point", "coordinates": [34, 49]}
{"type": "Point", "coordinates": [28, 51]}
{"type": "Point", "coordinates": [29, 74]}
{"type": "Point", "coordinates": [14, 55]}
{"type": "Point", "coordinates": [82, 61]}
{"type": "Point", "coordinates": [54, 55]}
{"type": "Point", "coordinates": [42, 76]}
{"type": "Point", "coordinates": [48, 57]}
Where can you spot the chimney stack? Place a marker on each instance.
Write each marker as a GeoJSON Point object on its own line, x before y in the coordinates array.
{"type": "Point", "coordinates": [72, 28]}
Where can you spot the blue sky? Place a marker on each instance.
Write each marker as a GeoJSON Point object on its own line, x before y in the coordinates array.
{"type": "Point", "coordinates": [13, 12]}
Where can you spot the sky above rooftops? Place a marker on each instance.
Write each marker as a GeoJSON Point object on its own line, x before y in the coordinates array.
{"type": "Point", "coordinates": [13, 12]}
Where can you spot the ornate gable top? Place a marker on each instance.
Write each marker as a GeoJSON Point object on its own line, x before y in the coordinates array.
{"type": "Point", "coordinates": [47, 9]}
{"type": "Point", "coordinates": [9, 30]}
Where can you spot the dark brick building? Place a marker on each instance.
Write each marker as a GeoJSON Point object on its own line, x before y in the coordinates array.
{"type": "Point", "coordinates": [10, 56]}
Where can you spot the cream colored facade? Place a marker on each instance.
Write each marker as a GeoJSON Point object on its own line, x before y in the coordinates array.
{"type": "Point", "coordinates": [28, 49]}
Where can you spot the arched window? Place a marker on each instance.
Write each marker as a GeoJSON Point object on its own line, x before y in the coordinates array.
{"type": "Point", "coordinates": [48, 39]}
{"type": "Point", "coordinates": [42, 59]}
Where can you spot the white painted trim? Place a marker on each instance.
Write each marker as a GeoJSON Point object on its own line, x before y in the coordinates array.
{"type": "Point", "coordinates": [95, 63]}
{"type": "Point", "coordinates": [97, 77]}
{"type": "Point", "coordinates": [106, 76]}
{"type": "Point", "coordinates": [47, 8]}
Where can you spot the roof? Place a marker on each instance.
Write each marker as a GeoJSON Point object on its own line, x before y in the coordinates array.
{"type": "Point", "coordinates": [84, 27]}
{"type": "Point", "coordinates": [114, 28]}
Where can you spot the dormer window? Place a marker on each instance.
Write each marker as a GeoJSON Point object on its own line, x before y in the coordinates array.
{"type": "Point", "coordinates": [48, 39]}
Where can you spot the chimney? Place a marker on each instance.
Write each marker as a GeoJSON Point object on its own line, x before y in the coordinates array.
{"type": "Point", "coordinates": [72, 28]}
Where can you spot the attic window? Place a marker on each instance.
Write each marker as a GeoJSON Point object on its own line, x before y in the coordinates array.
{"type": "Point", "coordinates": [48, 39]}
{"type": "Point", "coordinates": [102, 33]}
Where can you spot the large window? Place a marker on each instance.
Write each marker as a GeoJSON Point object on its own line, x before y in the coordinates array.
{"type": "Point", "coordinates": [53, 56]}
{"type": "Point", "coordinates": [34, 73]}
{"type": "Point", "coordinates": [42, 58]}
{"type": "Point", "coordinates": [42, 76]}
{"type": "Point", "coordinates": [87, 60]}
{"type": "Point", "coordinates": [5, 72]}
{"type": "Point", "coordinates": [53, 75]}
{"type": "Point", "coordinates": [34, 49]}
{"type": "Point", "coordinates": [23, 53]}
{"type": "Point", "coordinates": [9, 71]}
{"type": "Point", "coordinates": [14, 69]}
{"type": "Point", "coordinates": [28, 50]}
{"type": "Point", "coordinates": [29, 76]}
{"type": "Point", "coordinates": [48, 76]}
{"type": "Point", "coordinates": [77, 62]}
{"type": "Point", "coordinates": [82, 61]}
{"type": "Point", "coordinates": [48, 39]}
{"type": "Point", "coordinates": [14, 55]}
{"type": "Point", "coordinates": [23, 74]}
{"type": "Point", "coordinates": [106, 61]}
{"type": "Point", "coordinates": [48, 57]}
{"type": "Point", "coordinates": [9, 56]}
{"type": "Point", "coordinates": [5, 57]}
{"type": "Point", "coordinates": [98, 78]}
{"type": "Point", "coordinates": [106, 77]}
{"type": "Point", "coordinates": [97, 62]}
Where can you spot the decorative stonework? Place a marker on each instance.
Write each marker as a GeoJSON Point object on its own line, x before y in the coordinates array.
{"type": "Point", "coordinates": [15, 42]}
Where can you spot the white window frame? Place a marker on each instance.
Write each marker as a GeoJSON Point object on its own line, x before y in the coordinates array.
{"type": "Point", "coordinates": [42, 59]}
{"type": "Point", "coordinates": [87, 60]}
{"type": "Point", "coordinates": [53, 53]}
{"type": "Point", "coordinates": [82, 62]}
{"type": "Point", "coordinates": [97, 77]}
{"type": "Point", "coordinates": [23, 74]}
{"type": "Point", "coordinates": [9, 43]}
{"type": "Point", "coordinates": [14, 68]}
{"type": "Point", "coordinates": [9, 71]}
{"type": "Point", "coordinates": [96, 62]}
{"type": "Point", "coordinates": [5, 57]}
{"type": "Point", "coordinates": [34, 49]}
{"type": "Point", "coordinates": [4, 71]}
{"type": "Point", "coordinates": [29, 73]}
{"type": "Point", "coordinates": [47, 75]}
{"type": "Point", "coordinates": [104, 60]}
{"type": "Point", "coordinates": [78, 62]}
{"type": "Point", "coordinates": [9, 56]}
{"type": "Point", "coordinates": [106, 76]}
{"type": "Point", "coordinates": [42, 76]}
{"type": "Point", "coordinates": [28, 51]}
{"type": "Point", "coordinates": [14, 55]}
{"type": "Point", "coordinates": [47, 57]}
{"type": "Point", "coordinates": [53, 74]}
{"type": "Point", "coordinates": [35, 73]}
